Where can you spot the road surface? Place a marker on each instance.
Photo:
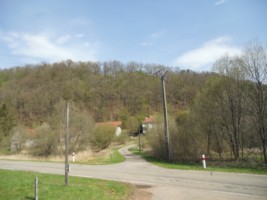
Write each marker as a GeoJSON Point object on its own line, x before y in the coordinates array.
{"type": "Point", "coordinates": [162, 183]}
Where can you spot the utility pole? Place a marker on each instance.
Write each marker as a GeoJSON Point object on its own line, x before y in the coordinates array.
{"type": "Point", "coordinates": [139, 139]}
{"type": "Point", "coordinates": [162, 73]}
{"type": "Point", "coordinates": [66, 143]}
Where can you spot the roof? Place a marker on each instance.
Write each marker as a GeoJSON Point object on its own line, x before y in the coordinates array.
{"type": "Point", "coordinates": [149, 119]}
{"type": "Point", "coordinates": [114, 123]}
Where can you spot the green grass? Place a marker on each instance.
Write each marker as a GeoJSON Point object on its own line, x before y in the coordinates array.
{"type": "Point", "coordinates": [20, 185]}
{"type": "Point", "coordinates": [115, 157]}
{"type": "Point", "coordinates": [198, 166]}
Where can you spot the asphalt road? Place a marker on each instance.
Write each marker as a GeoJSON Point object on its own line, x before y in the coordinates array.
{"type": "Point", "coordinates": [165, 183]}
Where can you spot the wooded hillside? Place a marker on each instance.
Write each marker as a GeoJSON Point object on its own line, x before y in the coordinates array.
{"type": "Point", "coordinates": [220, 114]}
{"type": "Point", "coordinates": [108, 91]}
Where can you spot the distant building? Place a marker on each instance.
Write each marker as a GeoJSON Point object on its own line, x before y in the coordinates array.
{"type": "Point", "coordinates": [116, 124]}
{"type": "Point", "coordinates": [148, 123]}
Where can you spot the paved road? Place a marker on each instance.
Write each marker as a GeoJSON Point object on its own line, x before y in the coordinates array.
{"type": "Point", "coordinates": [166, 183]}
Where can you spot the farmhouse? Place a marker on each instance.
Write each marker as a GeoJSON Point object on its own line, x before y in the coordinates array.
{"type": "Point", "coordinates": [149, 122]}
{"type": "Point", "coordinates": [116, 124]}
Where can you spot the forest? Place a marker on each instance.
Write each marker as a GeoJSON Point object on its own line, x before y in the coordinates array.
{"type": "Point", "coordinates": [222, 113]}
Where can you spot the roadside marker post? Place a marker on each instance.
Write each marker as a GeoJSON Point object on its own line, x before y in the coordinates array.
{"type": "Point", "coordinates": [204, 161]}
{"type": "Point", "coordinates": [36, 188]}
{"type": "Point", "coordinates": [73, 157]}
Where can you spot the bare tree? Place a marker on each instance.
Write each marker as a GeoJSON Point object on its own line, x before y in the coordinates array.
{"type": "Point", "coordinates": [231, 102]}
{"type": "Point", "coordinates": [255, 64]}
{"type": "Point", "coordinates": [205, 117]}
{"type": "Point", "coordinates": [80, 127]}
{"type": "Point", "coordinates": [45, 141]}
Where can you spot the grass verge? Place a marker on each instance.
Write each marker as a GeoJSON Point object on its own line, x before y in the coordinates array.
{"type": "Point", "coordinates": [109, 157]}
{"type": "Point", "coordinates": [20, 185]}
{"type": "Point", "coordinates": [113, 158]}
{"type": "Point", "coordinates": [198, 167]}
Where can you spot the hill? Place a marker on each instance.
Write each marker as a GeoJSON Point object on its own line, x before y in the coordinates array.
{"type": "Point", "coordinates": [108, 91]}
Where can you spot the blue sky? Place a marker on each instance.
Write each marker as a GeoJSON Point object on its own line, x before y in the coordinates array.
{"type": "Point", "coordinates": [190, 34]}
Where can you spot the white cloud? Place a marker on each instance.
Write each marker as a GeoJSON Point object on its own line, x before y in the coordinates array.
{"type": "Point", "coordinates": [219, 2]}
{"type": "Point", "coordinates": [10, 39]}
{"type": "Point", "coordinates": [79, 35]}
{"type": "Point", "coordinates": [200, 59]}
{"type": "Point", "coordinates": [158, 34]}
{"type": "Point", "coordinates": [153, 38]}
{"type": "Point", "coordinates": [38, 47]}
{"type": "Point", "coordinates": [147, 44]}
{"type": "Point", "coordinates": [63, 39]}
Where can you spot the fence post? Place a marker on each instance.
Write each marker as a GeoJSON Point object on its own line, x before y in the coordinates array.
{"type": "Point", "coordinates": [36, 188]}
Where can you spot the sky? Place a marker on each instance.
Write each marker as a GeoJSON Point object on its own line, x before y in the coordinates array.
{"type": "Point", "coordinates": [189, 34]}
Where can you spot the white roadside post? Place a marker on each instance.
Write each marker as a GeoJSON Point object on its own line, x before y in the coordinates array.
{"type": "Point", "coordinates": [204, 161]}
{"type": "Point", "coordinates": [73, 157]}
{"type": "Point", "coordinates": [36, 188]}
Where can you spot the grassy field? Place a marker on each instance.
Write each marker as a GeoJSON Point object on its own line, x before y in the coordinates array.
{"type": "Point", "coordinates": [198, 166]}
{"type": "Point", "coordinates": [108, 156]}
{"type": "Point", "coordinates": [112, 158]}
{"type": "Point", "coordinates": [20, 185]}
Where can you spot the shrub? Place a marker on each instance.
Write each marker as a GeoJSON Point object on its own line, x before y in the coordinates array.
{"type": "Point", "coordinates": [156, 140]}
{"type": "Point", "coordinates": [45, 142]}
{"type": "Point", "coordinates": [18, 139]}
{"type": "Point", "coordinates": [183, 144]}
{"type": "Point", "coordinates": [81, 125]}
{"type": "Point", "coordinates": [122, 138]}
{"type": "Point", "coordinates": [101, 137]}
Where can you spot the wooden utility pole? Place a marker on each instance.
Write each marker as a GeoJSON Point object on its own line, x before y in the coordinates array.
{"type": "Point", "coordinates": [162, 73]}
{"type": "Point", "coordinates": [66, 143]}
{"type": "Point", "coordinates": [139, 138]}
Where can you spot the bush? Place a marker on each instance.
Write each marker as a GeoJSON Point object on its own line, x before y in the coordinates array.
{"type": "Point", "coordinates": [18, 139]}
{"type": "Point", "coordinates": [156, 140]}
{"type": "Point", "coordinates": [183, 143]}
{"type": "Point", "coordinates": [45, 142]}
{"type": "Point", "coordinates": [81, 125]}
{"type": "Point", "coordinates": [101, 137]}
{"type": "Point", "coordinates": [122, 138]}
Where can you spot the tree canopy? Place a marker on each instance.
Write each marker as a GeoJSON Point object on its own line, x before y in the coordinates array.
{"type": "Point", "coordinates": [105, 90]}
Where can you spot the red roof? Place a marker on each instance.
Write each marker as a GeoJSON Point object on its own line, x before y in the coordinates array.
{"type": "Point", "coordinates": [149, 119]}
{"type": "Point", "coordinates": [30, 132]}
{"type": "Point", "coordinates": [115, 123]}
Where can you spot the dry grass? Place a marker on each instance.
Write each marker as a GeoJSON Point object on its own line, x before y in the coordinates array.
{"type": "Point", "coordinates": [88, 156]}
{"type": "Point", "coordinates": [81, 157]}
